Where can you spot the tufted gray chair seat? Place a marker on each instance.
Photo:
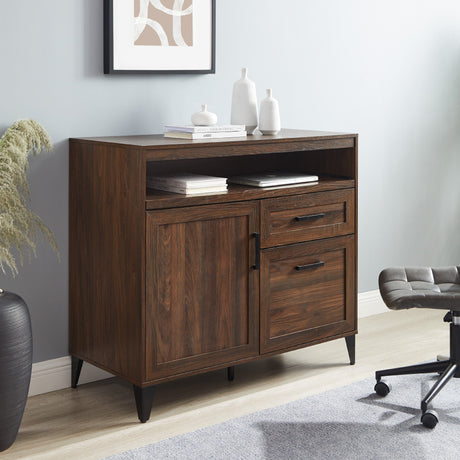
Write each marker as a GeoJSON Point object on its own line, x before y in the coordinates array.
{"type": "Point", "coordinates": [421, 287]}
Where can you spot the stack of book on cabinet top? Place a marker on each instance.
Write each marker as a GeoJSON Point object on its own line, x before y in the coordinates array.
{"type": "Point", "coordinates": [204, 132]}
{"type": "Point", "coordinates": [188, 183]}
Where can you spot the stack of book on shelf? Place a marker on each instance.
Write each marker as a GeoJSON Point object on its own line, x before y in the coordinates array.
{"type": "Point", "coordinates": [204, 132]}
{"type": "Point", "coordinates": [188, 183]}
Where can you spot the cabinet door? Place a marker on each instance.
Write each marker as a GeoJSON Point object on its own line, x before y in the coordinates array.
{"type": "Point", "coordinates": [201, 288]}
{"type": "Point", "coordinates": [307, 293]}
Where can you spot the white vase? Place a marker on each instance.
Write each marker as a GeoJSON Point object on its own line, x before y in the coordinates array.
{"type": "Point", "coordinates": [244, 103]}
{"type": "Point", "coordinates": [269, 122]}
{"type": "Point", "coordinates": [204, 118]}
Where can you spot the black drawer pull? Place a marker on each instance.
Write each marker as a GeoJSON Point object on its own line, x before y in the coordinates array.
{"type": "Point", "coordinates": [306, 267]}
{"type": "Point", "coordinates": [310, 217]}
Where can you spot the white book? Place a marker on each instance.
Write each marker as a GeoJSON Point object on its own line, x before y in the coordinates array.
{"type": "Point", "coordinates": [216, 135]}
{"type": "Point", "coordinates": [190, 191]}
{"type": "Point", "coordinates": [187, 180]}
{"type": "Point", "coordinates": [204, 129]}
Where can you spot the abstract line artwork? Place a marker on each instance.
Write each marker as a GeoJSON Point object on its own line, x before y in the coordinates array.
{"type": "Point", "coordinates": [159, 36]}
{"type": "Point", "coordinates": [163, 23]}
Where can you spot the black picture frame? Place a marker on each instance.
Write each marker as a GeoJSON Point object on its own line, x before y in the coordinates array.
{"type": "Point", "coordinates": [110, 47]}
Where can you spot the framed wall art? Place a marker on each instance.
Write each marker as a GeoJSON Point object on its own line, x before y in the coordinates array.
{"type": "Point", "coordinates": [159, 36]}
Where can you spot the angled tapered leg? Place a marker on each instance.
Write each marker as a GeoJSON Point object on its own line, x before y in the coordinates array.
{"type": "Point", "coordinates": [230, 373]}
{"type": "Point", "coordinates": [76, 370]}
{"type": "Point", "coordinates": [351, 347]}
{"type": "Point", "coordinates": [144, 400]}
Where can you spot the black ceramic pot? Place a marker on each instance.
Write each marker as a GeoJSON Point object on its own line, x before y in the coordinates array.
{"type": "Point", "coordinates": [15, 364]}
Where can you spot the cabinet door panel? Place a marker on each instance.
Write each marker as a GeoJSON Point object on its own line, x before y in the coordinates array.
{"type": "Point", "coordinates": [202, 293]}
{"type": "Point", "coordinates": [307, 292]}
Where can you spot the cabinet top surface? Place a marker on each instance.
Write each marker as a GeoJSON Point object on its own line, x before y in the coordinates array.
{"type": "Point", "coordinates": [159, 141]}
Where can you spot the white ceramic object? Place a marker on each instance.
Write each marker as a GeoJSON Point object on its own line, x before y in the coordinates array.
{"type": "Point", "coordinates": [204, 118]}
{"type": "Point", "coordinates": [244, 103]}
{"type": "Point", "coordinates": [269, 122]}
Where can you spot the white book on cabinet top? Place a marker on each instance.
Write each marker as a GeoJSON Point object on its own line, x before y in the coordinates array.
{"type": "Point", "coordinates": [192, 136]}
{"type": "Point", "coordinates": [204, 129]}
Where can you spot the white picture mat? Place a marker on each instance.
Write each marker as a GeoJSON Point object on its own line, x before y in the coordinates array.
{"type": "Point", "coordinates": [127, 56]}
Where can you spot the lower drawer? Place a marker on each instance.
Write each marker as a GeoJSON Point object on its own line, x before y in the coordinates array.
{"type": "Point", "coordinates": [307, 292]}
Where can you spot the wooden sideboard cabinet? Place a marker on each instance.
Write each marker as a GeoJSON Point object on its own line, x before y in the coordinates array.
{"type": "Point", "coordinates": [164, 285]}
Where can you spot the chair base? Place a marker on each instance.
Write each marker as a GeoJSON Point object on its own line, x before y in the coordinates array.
{"type": "Point", "coordinates": [448, 368]}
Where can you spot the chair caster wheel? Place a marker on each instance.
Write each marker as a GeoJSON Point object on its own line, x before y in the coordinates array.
{"type": "Point", "coordinates": [429, 419]}
{"type": "Point", "coordinates": [382, 388]}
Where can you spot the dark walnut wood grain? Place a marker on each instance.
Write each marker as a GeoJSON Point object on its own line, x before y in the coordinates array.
{"type": "Point", "coordinates": [155, 142]}
{"type": "Point", "coordinates": [202, 289]}
{"type": "Point", "coordinates": [307, 292]}
{"type": "Point", "coordinates": [157, 199]}
{"type": "Point", "coordinates": [106, 258]}
{"type": "Point", "coordinates": [307, 217]}
{"type": "Point", "coordinates": [163, 285]}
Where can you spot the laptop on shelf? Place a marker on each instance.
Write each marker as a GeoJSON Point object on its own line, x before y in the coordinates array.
{"type": "Point", "coordinates": [272, 179]}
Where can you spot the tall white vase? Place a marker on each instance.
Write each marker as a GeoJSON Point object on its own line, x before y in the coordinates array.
{"type": "Point", "coordinates": [244, 103]}
{"type": "Point", "coordinates": [269, 122]}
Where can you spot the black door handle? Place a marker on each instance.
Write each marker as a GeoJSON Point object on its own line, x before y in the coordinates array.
{"type": "Point", "coordinates": [309, 217]}
{"type": "Point", "coordinates": [313, 265]}
{"type": "Point", "coordinates": [256, 265]}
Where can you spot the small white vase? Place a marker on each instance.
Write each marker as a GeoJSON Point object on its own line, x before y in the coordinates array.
{"type": "Point", "coordinates": [269, 122]}
{"type": "Point", "coordinates": [204, 118]}
{"type": "Point", "coordinates": [244, 103]}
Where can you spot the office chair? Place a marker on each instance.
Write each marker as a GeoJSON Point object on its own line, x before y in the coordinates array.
{"type": "Point", "coordinates": [425, 287]}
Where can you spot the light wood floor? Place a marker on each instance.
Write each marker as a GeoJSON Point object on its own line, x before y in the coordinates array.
{"type": "Point", "coordinates": [99, 419]}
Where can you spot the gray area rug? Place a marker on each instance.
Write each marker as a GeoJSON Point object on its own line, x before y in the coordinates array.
{"type": "Point", "coordinates": [351, 422]}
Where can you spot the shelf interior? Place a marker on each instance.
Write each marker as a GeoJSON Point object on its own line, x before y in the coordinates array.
{"type": "Point", "coordinates": [336, 169]}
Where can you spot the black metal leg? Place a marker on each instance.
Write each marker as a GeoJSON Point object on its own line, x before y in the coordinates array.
{"type": "Point", "coordinates": [426, 368]}
{"type": "Point", "coordinates": [351, 347]}
{"type": "Point", "coordinates": [76, 370]}
{"type": "Point", "coordinates": [438, 386]}
{"type": "Point", "coordinates": [230, 373]}
{"type": "Point", "coordinates": [455, 344]}
{"type": "Point", "coordinates": [144, 400]}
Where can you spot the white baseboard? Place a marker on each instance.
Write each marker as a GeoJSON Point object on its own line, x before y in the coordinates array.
{"type": "Point", "coordinates": [370, 303]}
{"type": "Point", "coordinates": [55, 374]}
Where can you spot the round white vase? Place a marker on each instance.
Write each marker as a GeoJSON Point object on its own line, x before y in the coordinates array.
{"type": "Point", "coordinates": [244, 103]}
{"type": "Point", "coordinates": [204, 118]}
{"type": "Point", "coordinates": [269, 122]}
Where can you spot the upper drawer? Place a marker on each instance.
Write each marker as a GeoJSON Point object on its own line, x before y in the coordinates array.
{"type": "Point", "coordinates": [307, 217]}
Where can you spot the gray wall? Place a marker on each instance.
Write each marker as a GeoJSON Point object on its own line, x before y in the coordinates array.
{"type": "Point", "coordinates": [387, 69]}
